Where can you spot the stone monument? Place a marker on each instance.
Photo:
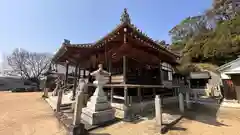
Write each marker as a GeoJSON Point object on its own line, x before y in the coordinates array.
{"type": "Point", "coordinates": [98, 109]}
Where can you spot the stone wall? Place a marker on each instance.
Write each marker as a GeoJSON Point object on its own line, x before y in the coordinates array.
{"type": "Point", "coordinates": [7, 83]}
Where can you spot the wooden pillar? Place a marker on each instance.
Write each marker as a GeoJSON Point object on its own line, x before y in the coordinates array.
{"type": "Point", "coordinates": [111, 95]}
{"type": "Point", "coordinates": [84, 73]}
{"type": "Point", "coordinates": [105, 56]}
{"type": "Point", "coordinates": [126, 106]}
{"type": "Point", "coordinates": [66, 73]}
{"type": "Point", "coordinates": [139, 94]}
{"type": "Point", "coordinates": [154, 92]}
{"type": "Point", "coordinates": [110, 68]}
{"type": "Point", "coordinates": [79, 69]}
{"type": "Point", "coordinates": [124, 69]}
{"type": "Point", "coordinates": [75, 82]}
{"type": "Point", "coordinates": [125, 96]}
{"type": "Point", "coordinates": [160, 72]}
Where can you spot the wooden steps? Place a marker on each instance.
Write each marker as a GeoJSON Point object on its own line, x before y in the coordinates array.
{"type": "Point", "coordinates": [66, 107]}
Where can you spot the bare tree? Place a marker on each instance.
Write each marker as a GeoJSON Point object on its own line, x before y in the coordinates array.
{"type": "Point", "coordinates": [30, 65]}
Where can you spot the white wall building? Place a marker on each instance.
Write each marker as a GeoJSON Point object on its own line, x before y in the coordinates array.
{"type": "Point", "coordinates": [227, 69]}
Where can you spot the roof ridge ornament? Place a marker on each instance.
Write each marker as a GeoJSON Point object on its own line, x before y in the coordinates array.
{"type": "Point", "coordinates": [66, 42]}
{"type": "Point", "coordinates": [125, 18]}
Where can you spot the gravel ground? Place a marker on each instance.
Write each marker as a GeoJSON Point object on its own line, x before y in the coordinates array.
{"type": "Point", "coordinates": [27, 114]}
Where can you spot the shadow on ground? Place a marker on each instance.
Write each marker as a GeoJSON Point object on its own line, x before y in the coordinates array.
{"type": "Point", "coordinates": [115, 121]}
{"type": "Point", "coordinates": [205, 114]}
{"type": "Point", "coordinates": [99, 134]}
{"type": "Point", "coordinates": [178, 128]}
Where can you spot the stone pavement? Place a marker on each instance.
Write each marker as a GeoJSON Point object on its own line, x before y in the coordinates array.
{"type": "Point", "coordinates": [52, 100]}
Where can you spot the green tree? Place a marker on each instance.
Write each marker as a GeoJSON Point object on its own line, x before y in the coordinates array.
{"type": "Point", "coordinates": [212, 37]}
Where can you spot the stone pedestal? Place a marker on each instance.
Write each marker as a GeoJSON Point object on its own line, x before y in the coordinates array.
{"type": "Point", "coordinates": [98, 109]}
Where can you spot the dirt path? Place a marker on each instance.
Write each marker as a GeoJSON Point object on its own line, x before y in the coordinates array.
{"type": "Point", "coordinates": [202, 122]}
{"type": "Point", "coordinates": [27, 114]}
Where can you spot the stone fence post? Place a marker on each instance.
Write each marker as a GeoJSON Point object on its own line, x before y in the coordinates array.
{"type": "Point", "coordinates": [77, 127]}
{"type": "Point", "coordinates": [158, 110]}
{"type": "Point", "coordinates": [181, 102]}
{"type": "Point", "coordinates": [59, 100]}
{"type": "Point", "coordinates": [45, 92]}
{"type": "Point", "coordinates": [188, 103]}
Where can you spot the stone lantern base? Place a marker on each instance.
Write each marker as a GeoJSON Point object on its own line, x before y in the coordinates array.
{"type": "Point", "coordinates": [98, 111]}
{"type": "Point", "coordinates": [97, 118]}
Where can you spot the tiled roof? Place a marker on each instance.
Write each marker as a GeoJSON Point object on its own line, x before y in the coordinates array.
{"type": "Point", "coordinates": [85, 45]}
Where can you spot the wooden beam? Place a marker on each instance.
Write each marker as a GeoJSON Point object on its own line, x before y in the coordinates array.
{"type": "Point", "coordinates": [124, 69]}
{"type": "Point", "coordinates": [147, 47]}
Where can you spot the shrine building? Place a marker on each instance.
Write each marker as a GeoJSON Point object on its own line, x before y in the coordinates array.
{"type": "Point", "coordinates": [140, 67]}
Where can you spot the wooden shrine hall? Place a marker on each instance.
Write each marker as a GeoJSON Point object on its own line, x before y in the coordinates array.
{"type": "Point", "coordinates": [140, 68]}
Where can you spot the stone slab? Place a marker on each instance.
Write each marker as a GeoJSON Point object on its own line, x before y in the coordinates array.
{"type": "Point", "coordinates": [52, 101]}
{"type": "Point", "coordinates": [230, 104]}
{"type": "Point", "coordinates": [67, 118]}
{"type": "Point", "coordinates": [95, 118]}
{"type": "Point", "coordinates": [169, 119]}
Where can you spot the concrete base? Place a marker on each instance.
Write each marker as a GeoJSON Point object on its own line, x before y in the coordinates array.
{"type": "Point", "coordinates": [96, 118]}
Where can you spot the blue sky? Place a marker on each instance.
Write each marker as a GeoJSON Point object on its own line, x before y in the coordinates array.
{"type": "Point", "coordinates": [41, 25]}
